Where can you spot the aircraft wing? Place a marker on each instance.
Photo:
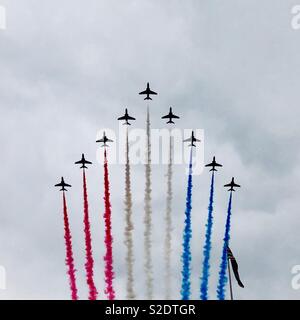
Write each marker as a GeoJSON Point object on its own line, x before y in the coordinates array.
{"type": "Point", "coordinates": [209, 165]}
{"type": "Point", "coordinates": [58, 185]}
{"type": "Point", "coordinates": [144, 92]}
{"type": "Point", "coordinates": [122, 118]}
{"type": "Point", "coordinates": [218, 165]}
{"type": "Point", "coordinates": [175, 117]}
{"type": "Point", "coordinates": [166, 117]}
{"type": "Point", "coordinates": [130, 118]}
{"type": "Point", "coordinates": [109, 140]}
{"type": "Point", "coordinates": [195, 139]}
{"type": "Point", "coordinates": [187, 140]}
{"type": "Point", "coordinates": [228, 185]}
{"type": "Point", "coordinates": [101, 140]}
{"type": "Point", "coordinates": [68, 185]}
{"type": "Point", "coordinates": [78, 162]}
{"type": "Point", "coordinates": [236, 185]}
{"type": "Point", "coordinates": [88, 162]}
{"type": "Point", "coordinates": [152, 92]}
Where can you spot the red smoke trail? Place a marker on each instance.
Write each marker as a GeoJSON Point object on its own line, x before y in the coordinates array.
{"type": "Point", "coordinates": [108, 258]}
{"type": "Point", "coordinates": [89, 265]}
{"type": "Point", "coordinates": [69, 252]}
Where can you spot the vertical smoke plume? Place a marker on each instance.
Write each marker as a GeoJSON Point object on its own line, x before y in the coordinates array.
{"type": "Point", "coordinates": [148, 217]}
{"type": "Point", "coordinates": [187, 235]}
{"type": "Point", "coordinates": [223, 266]}
{"type": "Point", "coordinates": [89, 265]}
{"type": "Point", "coordinates": [69, 252]}
{"type": "Point", "coordinates": [168, 219]}
{"type": "Point", "coordinates": [108, 258]}
{"type": "Point", "coordinates": [129, 226]}
{"type": "Point", "coordinates": [207, 246]}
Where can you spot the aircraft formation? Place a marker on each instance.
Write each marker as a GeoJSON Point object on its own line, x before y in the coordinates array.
{"type": "Point", "coordinates": [170, 116]}
{"type": "Point", "coordinates": [213, 166]}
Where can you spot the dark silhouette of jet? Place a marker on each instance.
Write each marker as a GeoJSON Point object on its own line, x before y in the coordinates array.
{"type": "Point", "coordinates": [148, 92]}
{"type": "Point", "coordinates": [232, 185]}
{"type": "Point", "coordinates": [126, 117]}
{"type": "Point", "coordinates": [62, 184]}
{"type": "Point", "coordinates": [104, 140]}
{"type": "Point", "coordinates": [83, 162]}
{"type": "Point", "coordinates": [192, 140]}
{"type": "Point", "coordinates": [170, 116]}
{"type": "Point", "coordinates": [214, 164]}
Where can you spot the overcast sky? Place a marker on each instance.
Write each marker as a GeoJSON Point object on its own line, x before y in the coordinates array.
{"type": "Point", "coordinates": [68, 69]}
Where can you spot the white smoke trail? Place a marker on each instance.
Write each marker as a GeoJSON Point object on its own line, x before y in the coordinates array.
{"type": "Point", "coordinates": [129, 227]}
{"type": "Point", "coordinates": [168, 220]}
{"type": "Point", "coordinates": [148, 217]}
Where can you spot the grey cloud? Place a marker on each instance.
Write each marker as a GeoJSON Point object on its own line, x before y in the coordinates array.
{"type": "Point", "coordinates": [69, 68]}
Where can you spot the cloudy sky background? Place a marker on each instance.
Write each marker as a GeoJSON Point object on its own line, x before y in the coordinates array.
{"type": "Point", "coordinates": [68, 68]}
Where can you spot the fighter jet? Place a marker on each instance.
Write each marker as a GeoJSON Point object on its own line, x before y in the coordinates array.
{"type": "Point", "coordinates": [104, 140]}
{"type": "Point", "coordinates": [83, 162]}
{"type": "Point", "coordinates": [170, 116]}
{"type": "Point", "coordinates": [214, 164]}
{"type": "Point", "coordinates": [148, 92]}
{"type": "Point", "coordinates": [192, 139]}
{"type": "Point", "coordinates": [63, 185]}
{"type": "Point", "coordinates": [126, 117]}
{"type": "Point", "coordinates": [232, 185]}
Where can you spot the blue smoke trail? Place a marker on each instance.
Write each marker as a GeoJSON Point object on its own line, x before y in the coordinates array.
{"type": "Point", "coordinates": [187, 235]}
{"type": "Point", "coordinates": [207, 246]}
{"type": "Point", "coordinates": [223, 266]}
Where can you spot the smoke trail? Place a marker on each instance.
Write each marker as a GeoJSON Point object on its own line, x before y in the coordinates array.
{"type": "Point", "coordinates": [207, 246]}
{"type": "Point", "coordinates": [223, 266]}
{"type": "Point", "coordinates": [89, 265]}
{"type": "Point", "coordinates": [168, 218]}
{"type": "Point", "coordinates": [129, 227]}
{"type": "Point", "coordinates": [108, 258]}
{"type": "Point", "coordinates": [187, 235]}
{"type": "Point", "coordinates": [147, 217]}
{"type": "Point", "coordinates": [69, 252]}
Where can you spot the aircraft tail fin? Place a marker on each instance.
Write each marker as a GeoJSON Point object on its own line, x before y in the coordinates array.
{"type": "Point", "coordinates": [171, 121]}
